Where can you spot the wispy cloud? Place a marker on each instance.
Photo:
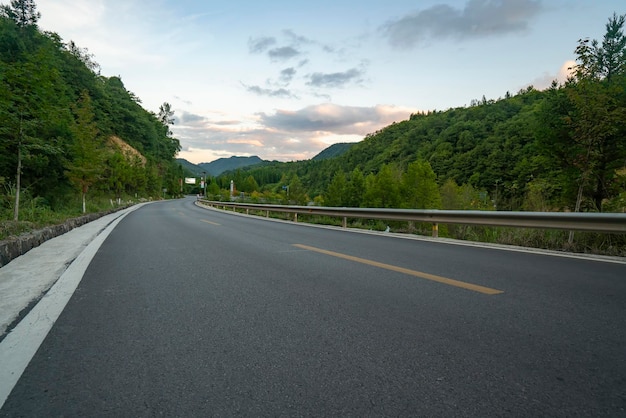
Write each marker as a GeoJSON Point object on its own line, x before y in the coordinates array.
{"type": "Point", "coordinates": [281, 92]}
{"type": "Point", "coordinates": [479, 18]}
{"type": "Point", "coordinates": [335, 119]}
{"type": "Point", "coordinates": [260, 45]}
{"type": "Point", "coordinates": [283, 53]}
{"type": "Point", "coordinates": [287, 74]}
{"type": "Point", "coordinates": [339, 79]}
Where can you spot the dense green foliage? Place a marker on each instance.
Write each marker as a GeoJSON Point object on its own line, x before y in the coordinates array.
{"type": "Point", "coordinates": [334, 150]}
{"type": "Point", "coordinates": [559, 149]}
{"type": "Point", "coordinates": [66, 131]}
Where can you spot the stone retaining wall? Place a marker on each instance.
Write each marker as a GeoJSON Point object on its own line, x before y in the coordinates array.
{"type": "Point", "coordinates": [14, 247]}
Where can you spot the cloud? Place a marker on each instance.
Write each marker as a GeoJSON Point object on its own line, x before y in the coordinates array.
{"type": "Point", "coordinates": [544, 81]}
{"type": "Point", "coordinates": [335, 79]}
{"type": "Point", "coordinates": [281, 92]}
{"type": "Point", "coordinates": [283, 53]}
{"type": "Point", "coordinates": [184, 101]}
{"type": "Point", "coordinates": [336, 119]}
{"type": "Point", "coordinates": [287, 74]}
{"type": "Point", "coordinates": [296, 39]}
{"type": "Point", "coordinates": [284, 135]}
{"type": "Point", "coordinates": [261, 44]}
{"type": "Point", "coordinates": [479, 18]}
{"type": "Point", "coordinates": [187, 118]}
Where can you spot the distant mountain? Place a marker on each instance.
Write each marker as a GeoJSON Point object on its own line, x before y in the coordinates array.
{"type": "Point", "coordinates": [219, 166]}
{"type": "Point", "coordinates": [334, 150]}
{"type": "Point", "coordinates": [192, 169]}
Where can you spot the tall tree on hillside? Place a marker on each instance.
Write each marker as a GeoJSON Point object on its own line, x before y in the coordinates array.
{"type": "Point", "coordinates": [85, 165]}
{"type": "Point", "coordinates": [583, 124]}
{"type": "Point", "coordinates": [30, 100]}
{"type": "Point", "coordinates": [599, 117]}
{"type": "Point", "coordinates": [84, 56]}
{"type": "Point", "coordinates": [166, 114]}
{"type": "Point", "coordinates": [23, 12]}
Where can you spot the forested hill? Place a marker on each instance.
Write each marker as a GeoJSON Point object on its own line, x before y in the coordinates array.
{"type": "Point", "coordinates": [66, 131]}
{"type": "Point", "coordinates": [489, 144]}
{"type": "Point", "coordinates": [333, 151]}
{"type": "Point", "coordinates": [563, 148]}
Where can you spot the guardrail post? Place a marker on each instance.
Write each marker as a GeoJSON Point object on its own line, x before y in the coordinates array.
{"type": "Point", "coordinates": [344, 222]}
{"type": "Point", "coordinates": [295, 217]}
{"type": "Point", "coordinates": [267, 213]}
{"type": "Point", "coordinates": [247, 211]}
{"type": "Point", "coordinates": [435, 230]}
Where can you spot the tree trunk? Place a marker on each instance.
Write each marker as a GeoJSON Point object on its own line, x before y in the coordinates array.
{"type": "Point", "coordinates": [18, 181]}
{"type": "Point", "coordinates": [579, 199]}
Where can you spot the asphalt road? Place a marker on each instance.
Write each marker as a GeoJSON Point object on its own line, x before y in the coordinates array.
{"type": "Point", "coordinates": [186, 311]}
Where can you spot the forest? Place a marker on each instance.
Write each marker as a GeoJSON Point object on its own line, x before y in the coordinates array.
{"type": "Point", "coordinates": [71, 139]}
{"type": "Point", "coordinates": [561, 149]}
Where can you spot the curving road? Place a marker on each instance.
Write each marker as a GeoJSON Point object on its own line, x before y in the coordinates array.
{"type": "Point", "coordinates": [186, 311]}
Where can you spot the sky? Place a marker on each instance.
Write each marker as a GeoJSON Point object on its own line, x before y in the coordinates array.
{"type": "Point", "coordinates": [284, 80]}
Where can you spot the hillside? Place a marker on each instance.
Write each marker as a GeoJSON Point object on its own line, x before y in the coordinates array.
{"type": "Point", "coordinates": [191, 169]}
{"type": "Point", "coordinates": [514, 153]}
{"type": "Point", "coordinates": [70, 134]}
{"type": "Point", "coordinates": [332, 151]}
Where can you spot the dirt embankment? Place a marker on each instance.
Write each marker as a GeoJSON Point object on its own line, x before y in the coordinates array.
{"type": "Point", "coordinates": [127, 150]}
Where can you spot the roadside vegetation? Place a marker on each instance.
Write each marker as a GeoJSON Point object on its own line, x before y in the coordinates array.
{"type": "Point", "coordinates": [71, 140]}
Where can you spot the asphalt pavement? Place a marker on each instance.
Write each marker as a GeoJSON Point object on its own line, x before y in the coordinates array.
{"type": "Point", "coordinates": [27, 278]}
{"type": "Point", "coordinates": [182, 310]}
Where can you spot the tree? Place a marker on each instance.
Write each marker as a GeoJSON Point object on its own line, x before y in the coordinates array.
{"type": "Point", "coordinates": [31, 90]}
{"type": "Point", "coordinates": [86, 164]}
{"type": "Point", "coordinates": [166, 116]}
{"type": "Point", "coordinates": [23, 12]}
{"type": "Point", "coordinates": [297, 192]}
{"type": "Point", "coordinates": [355, 188]}
{"type": "Point", "coordinates": [419, 187]}
{"type": "Point", "coordinates": [583, 124]}
{"type": "Point", "coordinates": [249, 185]}
{"type": "Point", "coordinates": [336, 190]}
{"type": "Point", "coordinates": [382, 190]}
{"type": "Point", "coordinates": [84, 56]}
{"type": "Point", "coordinates": [599, 110]}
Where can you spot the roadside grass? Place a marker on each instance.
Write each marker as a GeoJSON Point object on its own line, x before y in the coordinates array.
{"type": "Point", "coordinates": [36, 213]}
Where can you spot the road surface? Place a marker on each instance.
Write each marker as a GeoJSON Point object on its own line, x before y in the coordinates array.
{"type": "Point", "coordinates": [186, 311]}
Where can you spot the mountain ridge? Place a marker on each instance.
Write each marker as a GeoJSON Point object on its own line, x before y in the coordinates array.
{"type": "Point", "coordinates": [219, 166]}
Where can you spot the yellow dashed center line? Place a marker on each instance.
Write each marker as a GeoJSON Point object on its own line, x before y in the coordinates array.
{"type": "Point", "coordinates": [427, 276]}
{"type": "Point", "coordinates": [209, 222]}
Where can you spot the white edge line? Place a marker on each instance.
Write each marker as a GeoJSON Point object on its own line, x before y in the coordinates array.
{"type": "Point", "coordinates": [21, 344]}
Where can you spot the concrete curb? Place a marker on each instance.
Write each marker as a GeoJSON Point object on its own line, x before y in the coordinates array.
{"type": "Point", "coordinates": [13, 247]}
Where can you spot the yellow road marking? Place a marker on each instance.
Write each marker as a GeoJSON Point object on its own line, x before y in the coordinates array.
{"type": "Point", "coordinates": [427, 276]}
{"type": "Point", "coordinates": [209, 222]}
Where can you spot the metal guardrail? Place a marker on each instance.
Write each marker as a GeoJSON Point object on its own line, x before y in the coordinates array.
{"type": "Point", "coordinates": [569, 221]}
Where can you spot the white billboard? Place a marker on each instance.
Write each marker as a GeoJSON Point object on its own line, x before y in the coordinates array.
{"type": "Point", "coordinates": [190, 180]}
